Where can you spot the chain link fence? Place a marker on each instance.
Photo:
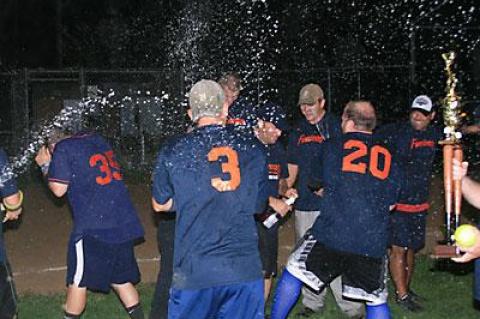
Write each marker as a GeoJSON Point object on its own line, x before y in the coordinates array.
{"type": "Point", "coordinates": [143, 107]}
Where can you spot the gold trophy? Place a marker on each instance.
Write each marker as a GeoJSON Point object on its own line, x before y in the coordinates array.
{"type": "Point", "coordinates": [452, 149]}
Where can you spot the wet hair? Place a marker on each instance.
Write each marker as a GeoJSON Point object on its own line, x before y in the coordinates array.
{"type": "Point", "coordinates": [231, 80]}
{"type": "Point", "coordinates": [56, 135]}
{"type": "Point", "coordinates": [362, 113]}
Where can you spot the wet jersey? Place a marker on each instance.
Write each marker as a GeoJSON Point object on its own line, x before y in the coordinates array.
{"type": "Point", "coordinates": [99, 199]}
{"type": "Point", "coordinates": [304, 145]}
{"type": "Point", "coordinates": [217, 179]}
{"type": "Point", "coordinates": [277, 167]}
{"type": "Point", "coordinates": [361, 181]}
{"type": "Point", "coordinates": [242, 113]}
{"type": "Point", "coordinates": [7, 188]}
{"type": "Point", "coordinates": [415, 152]}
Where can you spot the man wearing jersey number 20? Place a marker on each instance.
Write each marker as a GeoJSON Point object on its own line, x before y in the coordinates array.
{"type": "Point", "coordinates": [361, 183]}
{"type": "Point", "coordinates": [215, 178]}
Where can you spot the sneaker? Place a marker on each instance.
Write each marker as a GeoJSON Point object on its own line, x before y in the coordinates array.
{"type": "Point", "coordinates": [306, 313]}
{"type": "Point", "coordinates": [416, 296]}
{"type": "Point", "coordinates": [408, 303]}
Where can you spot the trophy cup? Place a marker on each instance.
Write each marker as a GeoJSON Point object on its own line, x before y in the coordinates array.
{"type": "Point", "coordinates": [452, 149]}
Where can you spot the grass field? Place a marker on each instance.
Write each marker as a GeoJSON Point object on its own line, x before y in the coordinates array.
{"type": "Point", "coordinates": [447, 287]}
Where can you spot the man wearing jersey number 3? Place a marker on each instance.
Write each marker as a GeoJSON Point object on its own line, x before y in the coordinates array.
{"type": "Point", "coordinates": [361, 183]}
{"type": "Point", "coordinates": [215, 178]}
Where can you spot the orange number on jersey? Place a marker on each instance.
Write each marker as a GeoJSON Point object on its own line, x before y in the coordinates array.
{"type": "Point", "coordinates": [107, 162]}
{"type": "Point", "coordinates": [374, 154]}
{"type": "Point", "coordinates": [361, 150]}
{"type": "Point", "coordinates": [230, 166]}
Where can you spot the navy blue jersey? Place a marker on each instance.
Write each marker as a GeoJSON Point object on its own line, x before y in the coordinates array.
{"type": "Point", "coordinates": [361, 181]}
{"type": "Point", "coordinates": [277, 167]}
{"type": "Point", "coordinates": [304, 145]}
{"type": "Point", "coordinates": [99, 199]}
{"type": "Point", "coordinates": [217, 179]}
{"type": "Point", "coordinates": [7, 188]}
{"type": "Point", "coordinates": [415, 152]}
{"type": "Point", "coordinates": [242, 113]}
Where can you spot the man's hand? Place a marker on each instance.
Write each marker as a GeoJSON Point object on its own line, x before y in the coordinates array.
{"type": "Point", "coordinates": [291, 192]}
{"type": "Point", "coordinates": [470, 253]}
{"type": "Point", "coordinates": [459, 169]}
{"type": "Point", "coordinates": [12, 215]}
{"type": "Point", "coordinates": [279, 206]}
{"type": "Point", "coordinates": [43, 156]}
{"type": "Point", "coordinates": [266, 132]}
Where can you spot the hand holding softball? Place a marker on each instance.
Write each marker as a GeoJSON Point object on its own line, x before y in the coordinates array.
{"type": "Point", "coordinates": [467, 240]}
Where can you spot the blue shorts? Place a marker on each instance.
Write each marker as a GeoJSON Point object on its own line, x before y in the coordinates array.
{"type": "Point", "coordinates": [236, 301]}
{"type": "Point", "coordinates": [96, 265]}
{"type": "Point", "coordinates": [408, 230]}
{"type": "Point", "coordinates": [476, 280]}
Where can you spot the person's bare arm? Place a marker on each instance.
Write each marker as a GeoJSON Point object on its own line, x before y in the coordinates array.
{"type": "Point", "coordinates": [58, 189]}
{"type": "Point", "coordinates": [160, 208]}
{"type": "Point", "coordinates": [292, 175]}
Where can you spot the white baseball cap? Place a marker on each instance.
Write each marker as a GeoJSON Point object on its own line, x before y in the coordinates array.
{"type": "Point", "coordinates": [423, 103]}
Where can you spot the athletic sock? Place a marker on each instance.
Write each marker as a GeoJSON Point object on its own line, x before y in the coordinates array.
{"type": "Point", "coordinates": [71, 316]}
{"type": "Point", "coordinates": [136, 311]}
{"type": "Point", "coordinates": [286, 295]}
{"type": "Point", "coordinates": [378, 311]}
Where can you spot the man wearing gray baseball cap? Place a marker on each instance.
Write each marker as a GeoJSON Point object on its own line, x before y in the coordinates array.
{"type": "Point", "coordinates": [215, 178]}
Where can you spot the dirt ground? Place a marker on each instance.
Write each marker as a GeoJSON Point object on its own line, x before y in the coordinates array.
{"type": "Point", "coordinates": [37, 247]}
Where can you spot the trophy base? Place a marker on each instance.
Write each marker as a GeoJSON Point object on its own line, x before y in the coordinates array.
{"type": "Point", "coordinates": [444, 251]}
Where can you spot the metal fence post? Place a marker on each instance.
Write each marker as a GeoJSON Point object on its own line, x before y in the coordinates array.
{"type": "Point", "coordinates": [26, 108]}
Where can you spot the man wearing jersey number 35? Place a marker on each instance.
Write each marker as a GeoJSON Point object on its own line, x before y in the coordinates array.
{"type": "Point", "coordinates": [215, 178]}
{"type": "Point", "coordinates": [100, 251]}
{"type": "Point", "coordinates": [361, 183]}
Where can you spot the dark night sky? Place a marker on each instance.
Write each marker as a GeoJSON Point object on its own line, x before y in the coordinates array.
{"type": "Point", "coordinates": [89, 29]}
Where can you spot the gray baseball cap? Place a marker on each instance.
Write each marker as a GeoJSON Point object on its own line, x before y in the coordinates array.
{"type": "Point", "coordinates": [206, 98]}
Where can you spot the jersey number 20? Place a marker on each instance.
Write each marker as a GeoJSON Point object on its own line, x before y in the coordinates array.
{"type": "Point", "coordinates": [361, 151]}
{"type": "Point", "coordinates": [108, 166]}
{"type": "Point", "coordinates": [230, 166]}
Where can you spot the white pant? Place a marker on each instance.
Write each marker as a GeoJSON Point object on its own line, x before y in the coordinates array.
{"type": "Point", "coordinates": [304, 221]}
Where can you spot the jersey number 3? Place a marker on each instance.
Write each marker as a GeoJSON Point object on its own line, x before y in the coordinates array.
{"type": "Point", "coordinates": [361, 151]}
{"type": "Point", "coordinates": [230, 166]}
{"type": "Point", "coordinates": [108, 166]}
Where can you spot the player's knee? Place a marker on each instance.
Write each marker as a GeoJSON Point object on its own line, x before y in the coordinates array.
{"type": "Point", "coordinates": [377, 311]}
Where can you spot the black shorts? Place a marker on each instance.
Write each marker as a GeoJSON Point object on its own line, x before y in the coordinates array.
{"type": "Point", "coordinates": [363, 277]}
{"type": "Point", "coordinates": [8, 295]}
{"type": "Point", "coordinates": [408, 229]}
{"type": "Point", "coordinates": [268, 248]}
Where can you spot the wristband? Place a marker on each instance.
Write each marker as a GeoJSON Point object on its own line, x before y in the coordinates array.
{"type": "Point", "coordinates": [16, 206]}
